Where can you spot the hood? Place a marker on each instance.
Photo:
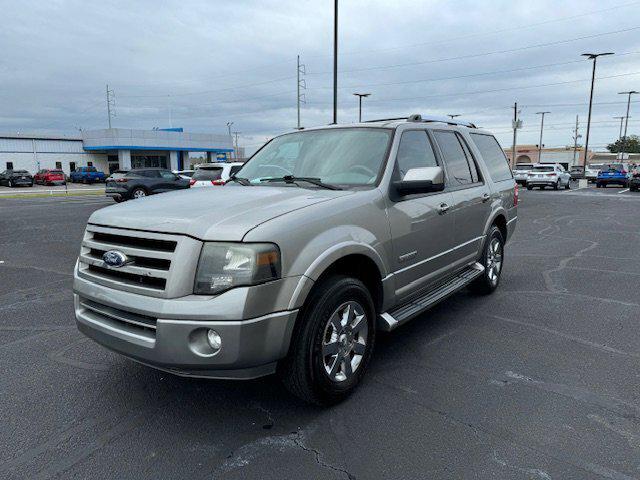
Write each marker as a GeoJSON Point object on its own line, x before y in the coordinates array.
{"type": "Point", "coordinates": [214, 213]}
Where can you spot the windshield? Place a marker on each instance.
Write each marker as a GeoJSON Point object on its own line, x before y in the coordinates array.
{"type": "Point", "coordinates": [341, 156]}
{"type": "Point", "coordinates": [614, 167]}
{"type": "Point", "coordinates": [543, 169]}
{"type": "Point", "coordinates": [207, 173]}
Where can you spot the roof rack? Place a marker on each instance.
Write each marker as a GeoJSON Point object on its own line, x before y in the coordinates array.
{"type": "Point", "coordinates": [416, 117]}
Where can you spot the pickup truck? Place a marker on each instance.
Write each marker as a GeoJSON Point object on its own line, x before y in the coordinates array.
{"type": "Point", "coordinates": [87, 175]}
{"type": "Point", "coordinates": [335, 234]}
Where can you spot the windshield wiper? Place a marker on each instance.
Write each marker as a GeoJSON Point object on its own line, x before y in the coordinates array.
{"type": "Point", "coordinates": [292, 179]}
{"type": "Point", "coordinates": [241, 181]}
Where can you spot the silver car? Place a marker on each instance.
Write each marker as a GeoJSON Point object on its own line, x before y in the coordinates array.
{"type": "Point", "coordinates": [548, 175]}
{"type": "Point", "coordinates": [336, 233]}
{"type": "Point", "coordinates": [521, 171]}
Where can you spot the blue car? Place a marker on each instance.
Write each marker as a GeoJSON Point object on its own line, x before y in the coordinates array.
{"type": "Point", "coordinates": [615, 173]}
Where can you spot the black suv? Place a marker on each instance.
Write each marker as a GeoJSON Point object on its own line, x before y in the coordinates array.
{"type": "Point", "coordinates": [16, 178]}
{"type": "Point", "coordinates": [139, 183]}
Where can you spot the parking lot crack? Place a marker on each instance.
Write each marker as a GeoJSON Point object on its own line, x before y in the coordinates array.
{"type": "Point", "coordinates": [299, 441]}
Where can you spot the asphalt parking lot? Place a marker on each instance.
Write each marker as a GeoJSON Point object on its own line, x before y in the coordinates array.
{"type": "Point", "coordinates": [538, 381]}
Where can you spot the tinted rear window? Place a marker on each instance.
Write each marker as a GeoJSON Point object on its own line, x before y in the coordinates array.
{"type": "Point", "coordinates": [543, 169]}
{"type": "Point", "coordinates": [494, 157]}
{"type": "Point", "coordinates": [522, 166]}
{"type": "Point", "coordinates": [207, 174]}
{"type": "Point", "coordinates": [455, 158]}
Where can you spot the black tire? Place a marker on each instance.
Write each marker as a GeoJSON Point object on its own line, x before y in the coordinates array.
{"type": "Point", "coordinates": [557, 185]}
{"type": "Point", "coordinates": [11, 185]}
{"type": "Point", "coordinates": [138, 192]}
{"type": "Point", "coordinates": [529, 187]}
{"type": "Point", "coordinates": [598, 185]}
{"type": "Point", "coordinates": [486, 284]}
{"type": "Point", "coordinates": [303, 371]}
{"type": "Point", "coordinates": [568, 185]}
{"type": "Point", "coordinates": [118, 199]}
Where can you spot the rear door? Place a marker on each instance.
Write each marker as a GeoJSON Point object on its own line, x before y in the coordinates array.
{"type": "Point", "coordinates": [470, 193]}
{"type": "Point", "coordinates": [421, 225]}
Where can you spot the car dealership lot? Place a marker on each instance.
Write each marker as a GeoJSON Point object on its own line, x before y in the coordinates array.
{"type": "Point", "coordinates": [539, 380]}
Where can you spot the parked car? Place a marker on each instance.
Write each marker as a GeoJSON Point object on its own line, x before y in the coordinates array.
{"type": "Point", "coordinates": [184, 173]}
{"type": "Point", "coordinates": [591, 172]}
{"type": "Point", "coordinates": [548, 175]}
{"type": "Point", "coordinates": [521, 171]}
{"type": "Point", "coordinates": [116, 174]}
{"type": "Point", "coordinates": [634, 181]}
{"type": "Point", "coordinates": [210, 174]}
{"type": "Point", "coordinates": [142, 182]}
{"type": "Point", "coordinates": [16, 178]}
{"type": "Point", "coordinates": [50, 177]}
{"type": "Point", "coordinates": [613, 174]}
{"type": "Point", "coordinates": [336, 233]}
{"type": "Point", "coordinates": [577, 172]}
{"type": "Point", "coordinates": [87, 175]}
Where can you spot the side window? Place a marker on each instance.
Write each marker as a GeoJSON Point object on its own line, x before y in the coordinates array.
{"type": "Point", "coordinates": [494, 157]}
{"type": "Point", "coordinates": [455, 159]}
{"type": "Point", "coordinates": [167, 175]}
{"type": "Point", "coordinates": [415, 151]}
{"type": "Point", "coordinates": [235, 169]}
{"type": "Point", "coordinates": [475, 176]}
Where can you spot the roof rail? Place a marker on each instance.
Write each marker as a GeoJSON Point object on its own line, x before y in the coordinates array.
{"type": "Point", "coordinates": [416, 117]}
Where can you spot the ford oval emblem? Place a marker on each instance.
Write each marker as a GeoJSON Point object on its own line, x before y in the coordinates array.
{"type": "Point", "coordinates": [115, 258]}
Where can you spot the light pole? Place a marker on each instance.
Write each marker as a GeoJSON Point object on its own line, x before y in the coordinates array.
{"type": "Point", "coordinates": [594, 57]}
{"type": "Point", "coordinates": [541, 130]}
{"type": "Point", "coordinates": [360, 95]}
{"type": "Point", "coordinates": [229, 129]}
{"type": "Point", "coordinates": [626, 123]}
{"type": "Point", "coordinates": [453, 116]}
{"type": "Point", "coordinates": [621, 123]}
{"type": "Point", "coordinates": [335, 61]}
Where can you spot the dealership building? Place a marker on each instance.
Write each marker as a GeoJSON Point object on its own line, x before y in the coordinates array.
{"type": "Point", "coordinates": [110, 149]}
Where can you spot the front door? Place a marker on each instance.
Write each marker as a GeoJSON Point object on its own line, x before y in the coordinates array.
{"type": "Point", "coordinates": [421, 225]}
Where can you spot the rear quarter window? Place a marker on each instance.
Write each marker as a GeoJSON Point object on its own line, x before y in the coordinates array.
{"type": "Point", "coordinates": [493, 155]}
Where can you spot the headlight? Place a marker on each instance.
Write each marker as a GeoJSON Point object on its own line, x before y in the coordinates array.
{"type": "Point", "coordinates": [227, 265]}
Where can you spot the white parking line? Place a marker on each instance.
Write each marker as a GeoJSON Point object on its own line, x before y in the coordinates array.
{"type": "Point", "coordinates": [625, 190]}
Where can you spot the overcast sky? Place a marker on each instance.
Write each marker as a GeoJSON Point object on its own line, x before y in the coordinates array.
{"type": "Point", "coordinates": [200, 64]}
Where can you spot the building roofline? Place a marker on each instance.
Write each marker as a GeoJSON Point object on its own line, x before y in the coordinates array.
{"type": "Point", "coordinates": [40, 136]}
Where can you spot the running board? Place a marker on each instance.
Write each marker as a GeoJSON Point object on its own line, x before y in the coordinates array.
{"type": "Point", "coordinates": [397, 316]}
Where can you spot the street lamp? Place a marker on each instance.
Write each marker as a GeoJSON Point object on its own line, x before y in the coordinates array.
{"type": "Point", "coordinates": [594, 57]}
{"type": "Point", "coordinates": [454, 116]}
{"type": "Point", "coordinates": [626, 123]}
{"type": "Point", "coordinates": [541, 129]}
{"type": "Point", "coordinates": [360, 95]}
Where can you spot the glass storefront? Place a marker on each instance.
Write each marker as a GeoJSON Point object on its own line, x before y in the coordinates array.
{"type": "Point", "coordinates": [149, 161]}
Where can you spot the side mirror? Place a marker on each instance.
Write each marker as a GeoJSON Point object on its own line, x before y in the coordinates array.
{"type": "Point", "coordinates": [420, 180]}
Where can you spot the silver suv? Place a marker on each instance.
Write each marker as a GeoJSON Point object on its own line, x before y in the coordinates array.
{"type": "Point", "coordinates": [324, 238]}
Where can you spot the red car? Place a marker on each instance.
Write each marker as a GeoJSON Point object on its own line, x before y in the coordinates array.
{"type": "Point", "coordinates": [49, 177]}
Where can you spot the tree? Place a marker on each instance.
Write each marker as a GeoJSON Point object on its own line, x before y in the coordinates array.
{"type": "Point", "coordinates": [632, 145]}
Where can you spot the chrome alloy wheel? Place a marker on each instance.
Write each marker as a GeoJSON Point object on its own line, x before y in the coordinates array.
{"type": "Point", "coordinates": [139, 193]}
{"type": "Point", "coordinates": [344, 341]}
{"type": "Point", "coordinates": [494, 260]}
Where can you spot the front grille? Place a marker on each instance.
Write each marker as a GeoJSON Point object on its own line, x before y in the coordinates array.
{"type": "Point", "coordinates": [150, 258]}
{"type": "Point", "coordinates": [118, 318]}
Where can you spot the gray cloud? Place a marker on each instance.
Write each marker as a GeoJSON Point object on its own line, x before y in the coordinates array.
{"type": "Point", "coordinates": [199, 64]}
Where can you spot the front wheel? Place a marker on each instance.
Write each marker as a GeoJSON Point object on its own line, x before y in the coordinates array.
{"type": "Point", "coordinates": [492, 260]}
{"type": "Point", "coordinates": [568, 185]}
{"type": "Point", "coordinates": [529, 187]}
{"type": "Point", "coordinates": [332, 343]}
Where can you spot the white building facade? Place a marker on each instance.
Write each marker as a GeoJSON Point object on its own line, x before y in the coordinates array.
{"type": "Point", "coordinates": [110, 149]}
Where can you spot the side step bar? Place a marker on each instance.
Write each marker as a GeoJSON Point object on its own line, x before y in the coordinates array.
{"type": "Point", "coordinates": [399, 315]}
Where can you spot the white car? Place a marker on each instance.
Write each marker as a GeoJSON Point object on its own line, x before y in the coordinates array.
{"type": "Point", "coordinates": [591, 172]}
{"type": "Point", "coordinates": [211, 174]}
{"type": "Point", "coordinates": [186, 174]}
{"type": "Point", "coordinates": [520, 172]}
{"type": "Point", "coordinates": [548, 175]}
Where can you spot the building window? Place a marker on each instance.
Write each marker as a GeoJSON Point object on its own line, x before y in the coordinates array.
{"type": "Point", "coordinates": [72, 166]}
{"type": "Point", "coordinates": [148, 161]}
{"type": "Point", "coordinates": [58, 165]}
{"type": "Point", "coordinates": [89, 164]}
{"type": "Point", "coordinates": [9, 165]}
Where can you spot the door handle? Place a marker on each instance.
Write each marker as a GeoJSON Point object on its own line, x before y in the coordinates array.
{"type": "Point", "coordinates": [485, 197]}
{"type": "Point", "coordinates": [443, 208]}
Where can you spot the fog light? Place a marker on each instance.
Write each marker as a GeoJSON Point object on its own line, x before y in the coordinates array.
{"type": "Point", "coordinates": [214, 339]}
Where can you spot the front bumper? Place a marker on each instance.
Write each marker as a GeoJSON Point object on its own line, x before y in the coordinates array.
{"type": "Point", "coordinates": [170, 334]}
{"type": "Point", "coordinates": [21, 181]}
{"type": "Point", "coordinates": [546, 183]}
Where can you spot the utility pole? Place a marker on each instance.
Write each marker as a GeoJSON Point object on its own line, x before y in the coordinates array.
{"type": "Point", "coordinates": [576, 136]}
{"type": "Point", "coordinates": [300, 84]}
{"type": "Point", "coordinates": [626, 123]}
{"type": "Point", "coordinates": [111, 102]}
{"type": "Point", "coordinates": [517, 123]}
{"type": "Point", "coordinates": [594, 57]}
{"type": "Point", "coordinates": [236, 144]}
{"type": "Point", "coordinates": [230, 136]}
{"type": "Point", "coordinates": [541, 130]}
{"type": "Point", "coordinates": [335, 61]}
{"type": "Point", "coordinates": [360, 95]}
{"type": "Point", "coordinates": [621, 124]}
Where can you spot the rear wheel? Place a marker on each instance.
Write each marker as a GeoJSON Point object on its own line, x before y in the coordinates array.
{"type": "Point", "coordinates": [557, 185]}
{"type": "Point", "coordinates": [139, 193]}
{"type": "Point", "coordinates": [332, 343]}
{"type": "Point", "coordinates": [529, 187]}
{"type": "Point", "coordinates": [492, 261]}
{"type": "Point", "coordinates": [11, 184]}
{"type": "Point", "coordinates": [568, 185]}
